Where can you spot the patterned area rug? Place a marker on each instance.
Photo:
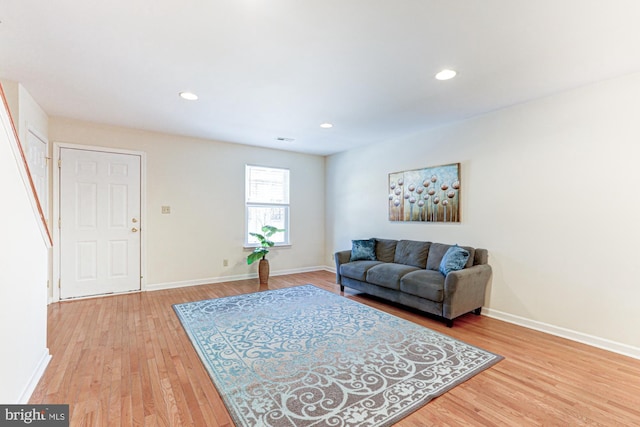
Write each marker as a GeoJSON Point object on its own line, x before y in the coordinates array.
{"type": "Point", "coordinates": [303, 356]}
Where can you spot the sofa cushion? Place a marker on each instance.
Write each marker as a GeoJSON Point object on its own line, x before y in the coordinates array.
{"type": "Point", "coordinates": [472, 253]}
{"type": "Point", "coordinates": [426, 284]}
{"type": "Point", "coordinates": [411, 252]}
{"type": "Point", "coordinates": [437, 251]}
{"type": "Point", "coordinates": [481, 257]}
{"type": "Point", "coordinates": [363, 250]}
{"type": "Point", "coordinates": [388, 274]}
{"type": "Point", "coordinates": [385, 249]}
{"type": "Point", "coordinates": [454, 259]}
{"type": "Point", "coordinates": [358, 269]}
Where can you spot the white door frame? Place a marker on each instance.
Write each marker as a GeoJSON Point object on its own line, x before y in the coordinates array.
{"type": "Point", "coordinates": [57, 146]}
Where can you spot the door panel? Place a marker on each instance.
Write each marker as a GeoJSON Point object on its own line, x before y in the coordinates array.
{"type": "Point", "coordinates": [100, 222]}
{"type": "Point", "coordinates": [37, 159]}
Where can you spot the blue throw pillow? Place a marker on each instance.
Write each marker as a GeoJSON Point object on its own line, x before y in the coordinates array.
{"type": "Point", "coordinates": [363, 250]}
{"type": "Point", "coordinates": [454, 259]}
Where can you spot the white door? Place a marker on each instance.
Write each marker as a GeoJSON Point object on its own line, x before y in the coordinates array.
{"type": "Point", "coordinates": [37, 159]}
{"type": "Point", "coordinates": [99, 222]}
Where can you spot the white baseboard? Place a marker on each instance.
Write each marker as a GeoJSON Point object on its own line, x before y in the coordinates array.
{"type": "Point", "coordinates": [580, 337]}
{"type": "Point", "coordinates": [35, 377]}
{"type": "Point", "coordinates": [221, 279]}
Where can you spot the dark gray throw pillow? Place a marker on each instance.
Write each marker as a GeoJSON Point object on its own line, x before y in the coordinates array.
{"type": "Point", "coordinates": [362, 250]}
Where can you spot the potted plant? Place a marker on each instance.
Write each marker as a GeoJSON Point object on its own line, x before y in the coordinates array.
{"type": "Point", "coordinates": [260, 252]}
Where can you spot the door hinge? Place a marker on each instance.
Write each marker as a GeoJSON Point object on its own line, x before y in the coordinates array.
{"type": "Point", "coordinates": [59, 223]}
{"type": "Point", "coordinates": [59, 287]}
{"type": "Point", "coordinates": [59, 163]}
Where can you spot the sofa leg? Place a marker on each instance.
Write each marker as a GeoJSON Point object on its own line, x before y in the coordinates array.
{"type": "Point", "coordinates": [477, 311]}
{"type": "Point", "coordinates": [449, 323]}
{"type": "Point", "coordinates": [341, 288]}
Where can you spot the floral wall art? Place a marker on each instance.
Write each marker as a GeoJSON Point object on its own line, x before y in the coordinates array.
{"type": "Point", "coordinates": [425, 195]}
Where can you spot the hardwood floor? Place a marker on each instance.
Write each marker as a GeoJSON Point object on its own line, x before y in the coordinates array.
{"type": "Point", "coordinates": [125, 360]}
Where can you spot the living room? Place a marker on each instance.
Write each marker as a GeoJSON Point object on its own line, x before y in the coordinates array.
{"type": "Point", "coordinates": [545, 188]}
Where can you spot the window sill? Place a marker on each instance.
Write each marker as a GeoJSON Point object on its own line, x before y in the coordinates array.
{"type": "Point", "coordinates": [245, 247]}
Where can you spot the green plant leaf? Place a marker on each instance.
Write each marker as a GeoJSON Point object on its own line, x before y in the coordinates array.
{"type": "Point", "coordinates": [262, 250]}
{"type": "Point", "coordinates": [270, 230]}
{"type": "Point", "coordinates": [258, 253]}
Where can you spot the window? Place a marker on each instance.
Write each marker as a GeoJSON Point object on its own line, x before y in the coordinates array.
{"type": "Point", "coordinates": [267, 202]}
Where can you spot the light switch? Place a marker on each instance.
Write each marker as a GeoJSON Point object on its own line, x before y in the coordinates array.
{"type": "Point", "coordinates": [166, 209]}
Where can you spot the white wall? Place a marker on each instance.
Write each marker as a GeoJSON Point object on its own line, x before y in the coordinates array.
{"type": "Point", "coordinates": [31, 116]}
{"type": "Point", "coordinates": [25, 111]}
{"type": "Point", "coordinates": [23, 281]}
{"type": "Point", "coordinates": [11, 91]}
{"type": "Point", "coordinates": [203, 183]}
{"type": "Point", "coordinates": [548, 189]}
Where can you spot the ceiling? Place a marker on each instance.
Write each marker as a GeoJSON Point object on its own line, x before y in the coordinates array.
{"type": "Point", "coordinates": [279, 68]}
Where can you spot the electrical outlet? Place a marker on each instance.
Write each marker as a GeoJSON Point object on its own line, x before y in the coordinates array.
{"type": "Point", "coordinates": [166, 209]}
{"type": "Point", "coordinates": [225, 263]}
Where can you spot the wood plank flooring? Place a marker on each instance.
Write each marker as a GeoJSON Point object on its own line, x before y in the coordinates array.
{"type": "Point", "coordinates": [125, 360]}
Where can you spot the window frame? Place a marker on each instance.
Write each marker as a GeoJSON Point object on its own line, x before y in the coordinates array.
{"type": "Point", "coordinates": [253, 204]}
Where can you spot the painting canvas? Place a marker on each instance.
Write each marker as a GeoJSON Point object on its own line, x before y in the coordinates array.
{"type": "Point", "coordinates": [425, 195]}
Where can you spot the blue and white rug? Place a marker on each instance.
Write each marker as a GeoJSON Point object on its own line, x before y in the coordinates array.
{"type": "Point", "coordinates": [303, 356]}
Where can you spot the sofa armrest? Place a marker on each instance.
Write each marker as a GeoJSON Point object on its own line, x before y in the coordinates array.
{"type": "Point", "coordinates": [341, 257]}
{"type": "Point", "coordinates": [464, 290]}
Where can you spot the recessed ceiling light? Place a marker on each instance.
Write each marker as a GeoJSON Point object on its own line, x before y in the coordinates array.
{"type": "Point", "coordinates": [326, 125]}
{"type": "Point", "coordinates": [446, 75]}
{"type": "Point", "coordinates": [189, 96]}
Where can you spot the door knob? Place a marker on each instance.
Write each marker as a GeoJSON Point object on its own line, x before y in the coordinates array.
{"type": "Point", "coordinates": [133, 220]}
{"type": "Point", "coordinates": [134, 230]}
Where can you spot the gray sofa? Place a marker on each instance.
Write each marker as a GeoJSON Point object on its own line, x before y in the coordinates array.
{"type": "Point", "coordinates": [408, 272]}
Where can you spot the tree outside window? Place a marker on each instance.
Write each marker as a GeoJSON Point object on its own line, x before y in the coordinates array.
{"type": "Point", "coordinates": [267, 202]}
